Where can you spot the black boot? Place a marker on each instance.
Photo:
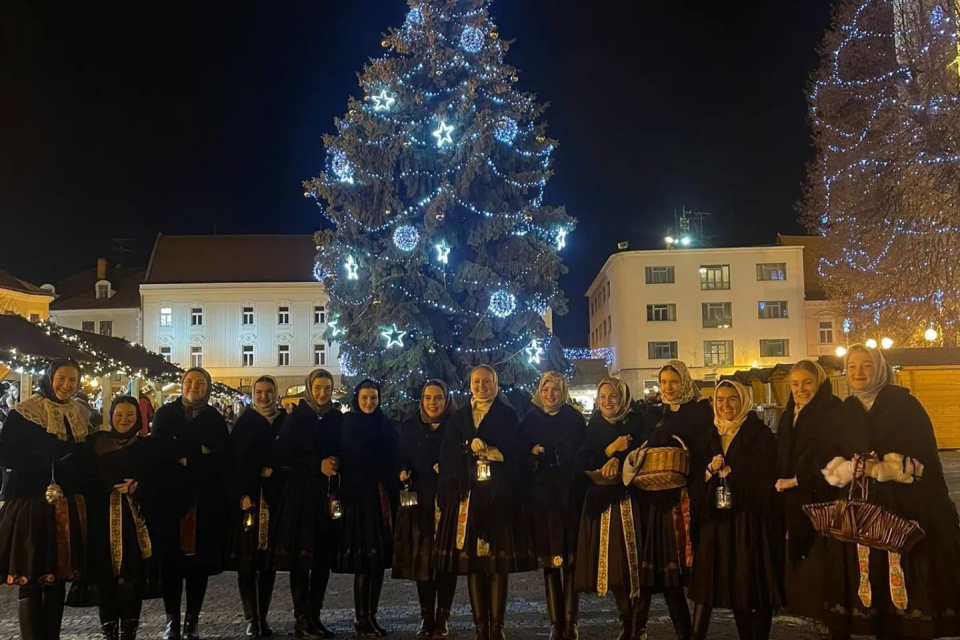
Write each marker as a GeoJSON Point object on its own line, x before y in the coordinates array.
{"type": "Point", "coordinates": [53, 599]}
{"type": "Point", "coordinates": [441, 624]}
{"type": "Point", "coordinates": [264, 598]}
{"type": "Point", "coordinates": [571, 606]}
{"type": "Point", "coordinates": [172, 630]}
{"type": "Point", "coordinates": [318, 589]}
{"type": "Point", "coordinates": [446, 586]}
{"type": "Point", "coordinates": [30, 615]}
{"type": "Point", "coordinates": [762, 622]}
{"type": "Point", "coordinates": [479, 589]}
{"type": "Point", "coordinates": [744, 622]}
{"type": "Point", "coordinates": [641, 614]}
{"type": "Point", "coordinates": [554, 593]}
{"type": "Point", "coordinates": [376, 587]}
{"type": "Point", "coordinates": [625, 607]}
{"type": "Point", "coordinates": [679, 612]}
{"type": "Point", "coordinates": [426, 595]}
{"type": "Point", "coordinates": [110, 630]}
{"type": "Point", "coordinates": [498, 605]}
{"type": "Point", "coordinates": [361, 607]}
{"type": "Point", "coordinates": [701, 621]}
{"type": "Point", "coordinates": [128, 628]}
{"type": "Point", "coordinates": [247, 582]}
{"type": "Point", "coordinates": [304, 627]}
{"type": "Point", "coordinates": [191, 626]}
{"type": "Point", "coordinates": [427, 622]}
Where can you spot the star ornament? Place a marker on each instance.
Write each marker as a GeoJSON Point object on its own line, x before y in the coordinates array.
{"type": "Point", "coordinates": [443, 134]}
{"type": "Point", "coordinates": [534, 352]}
{"type": "Point", "coordinates": [335, 329]}
{"type": "Point", "coordinates": [351, 266]}
{"type": "Point", "coordinates": [561, 239]}
{"type": "Point", "coordinates": [443, 252]}
{"type": "Point", "coordinates": [393, 336]}
{"type": "Point", "coordinates": [383, 101]}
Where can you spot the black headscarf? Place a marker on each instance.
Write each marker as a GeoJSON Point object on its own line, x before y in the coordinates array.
{"type": "Point", "coordinates": [355, 400]}
{"type": "Point", "coordinates": [137, 425]}
{"type": "Point", "coordinates": [46, 380]}
{"type": "Point", "coordinates": [308, 392]}
{"type": "Point", "coordinates": [450, 405]}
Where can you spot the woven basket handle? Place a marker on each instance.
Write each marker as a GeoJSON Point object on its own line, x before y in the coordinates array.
{"type": "Point", "coordinates": [860, 487]}
{"type": "Point", "coordinates": [682, 443]}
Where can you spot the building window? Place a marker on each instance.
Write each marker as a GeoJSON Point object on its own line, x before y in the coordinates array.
{"type": "Point", "coordinates": [319, 355]}
{"type": "Point", "coordinates": [774, 348]}
{"type": "Point", "coordinates": [662, 350]}
{"type": "Point", "coordinates": [717, 315]}
{"type": "Point", "coordinates": [88, 325]}
{"type": "Point", "coordinates": [283, 355]}
{"type": "Point", "coordinates": [768, 271]}
{"type": "Point", "coordinates": [283, 315]}
{"type": "Point", "coordinates": [826, 331]}
{"type": "Point", "coordinates": [165, 353]}
{"type": "Point", "coordinates": [714, 277]}
{"type": "Point", "coordinates": [106, 327]}
{"type": "Point", "coordinates": [768, 309]}
{"type": "Point", "coordinates": [660, 275]}
{"type": "Point", "coordinates": [246, 353]}
{"type": "Point", "coordinates": [196, 356]}
{"type": "Point", "coordinates": [661, 312]}
{"type": "Point", "coordinates": [34, 317]}
{"type": "Point", "coordinates": [103, 291]}
{"type": "Point", "coordinates": [319, 314]}
{"type": "Point", "coordinates": [247, 316]}
{"type": "Point", "coordinates": [196, 317]}
{"type": "Point", "coordinates": [166, 317]}
{"type": "Point", "coordinates": [717, 353]}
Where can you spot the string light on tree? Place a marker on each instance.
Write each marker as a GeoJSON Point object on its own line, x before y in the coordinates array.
{"type": "Point", "coordinates": [383, 101]}
{"type": "Point", "coordinates": [502, 303]}
{"type": "Point", "coordinates": [351, 266]}
{"type": "Point", "coordinates": [406, 237]}
{"type": "Point", "coordinates": [393, 336]}
{"type": "Point", "coordinates": [443, 134]}
{"type": "Point", "coordinates": [443, 252]}
{"type": "Point", "coordinates": [471, 40]}
{"type": "Point", "coordinates": [415, 16]}
{"type": "Point", "coordinates": [340, 166]}
{"type": "Point", "coordinates": [506, 131]}
{"type": "Point", "coordinates": [534, 352]}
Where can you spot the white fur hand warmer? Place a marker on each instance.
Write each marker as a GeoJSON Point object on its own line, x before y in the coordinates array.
{"type": "Point", "coordinates": [896, 468]}
{"type": "Point", "coordinates": [838, 472]}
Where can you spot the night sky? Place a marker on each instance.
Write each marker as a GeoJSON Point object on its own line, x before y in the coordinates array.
{"type": "Point", "coordinates": [124, 120]}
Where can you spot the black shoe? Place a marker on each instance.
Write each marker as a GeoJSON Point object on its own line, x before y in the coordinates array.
{"type": "Point", "coordinates": [497, 632]}
{"type": "Point", "coordinates": [381, 632]}
{"type": "Point", "coordinates": [191, 623]}
{"type": "Point", "coordinates": [128, 628]}
{"type": "Point", "coordinates": [172, 630]}
{"type": "Point", "coordinates": [441, 624]}
{"type": "Point", "coordinates": [320, 627]}
{"type": "Point", "coordinates": [571, 631]}
{"type": "Point", "coordinates": [266, 630]}
{"type": "Point", "coordinates": [110, 630]}
{"type": "Point", "coordinates": [427, 621]}
{"type": "Point", "coordinates": [483, 631]}
{"type": "Point", "coordinates": [365, 628]}
{"type": "Point", "coordinates": [304, 628]}
{"type": "Point", "coordinates": [556, 632]}
{"type": "Point", "coordinates": [253, 628]}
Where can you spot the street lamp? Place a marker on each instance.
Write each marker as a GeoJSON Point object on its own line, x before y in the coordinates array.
{"type": "Point", "coordinates": [841, 351]}
{"type": "Point", "coordinates": [685, 241]}
{"type": "Point", "coordinates": [871, 343]}
{"type": "Point", "coordinates": [886, 343]}
{"type": "Point", "coordinates": [931, 334]}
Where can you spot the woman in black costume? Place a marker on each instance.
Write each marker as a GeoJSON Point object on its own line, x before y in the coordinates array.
{"type": "Point", "coordinates": [418, 457]}
{"type": "Point", "coordinates": [556, 431]}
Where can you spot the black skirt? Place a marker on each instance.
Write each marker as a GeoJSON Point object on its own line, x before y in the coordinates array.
{"type": "Point", "coordinates": [804, 585]}
{"type": "Point", "coordinates": [243, 542]}
{"type": "Point", "coordinates": [413, 546]}
{"type": "Point", "coordinates": [607, 559]}
{"type": "Point", "coordinates": [663, 533]}
{"type": "Point", "coordinates": [41, 543]}
{"type": "Point", "coordinates": [306, 536]}
{"type": "Point", "coordinates": [554, 519]}
{"type": "Point", "coordinates": [366, 534]}
{"type": "Point", "coordinates": [739, 563]}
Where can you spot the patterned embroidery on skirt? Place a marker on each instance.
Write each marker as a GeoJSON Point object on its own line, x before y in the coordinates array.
{"type": "Point", "coordinates": [82, 516]}
{"type": "Point", "coordinates": [483, 548]}
{"type": "Point", "coordinates": [863, 562]}
{"type": "Point", "coordinates": [188, 532]}
{"type": "Point", "coordinates": [603, 555]}
{"type": "Point", "coordinates": [687, 543]}
{"type": "Point", "coordinates": [64, 561]}
{"type": "Point", "coordinates": [630, 541]}
{"type": "Point", "coordinates": [143, 536]}
{"type": "Point", "coordinates": [898, 584]}
{"type": "Point", "coordinates": [116, 531]}
{"type": "Point", "coordinates": [462, 514]}
{"type": "Point", "coordinates": [263, 520]}
{"type": "Point", "coordinates": [436, 516]}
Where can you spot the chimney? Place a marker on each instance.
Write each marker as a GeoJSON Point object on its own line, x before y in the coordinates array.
{"type": "Point", "coordinates": [101, 268]}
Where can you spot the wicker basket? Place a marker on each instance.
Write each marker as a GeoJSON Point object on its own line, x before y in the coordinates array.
{"type": "Point", "coordinates": [658, 468]}
{"type": "Point", "coordinates": [857, 520]}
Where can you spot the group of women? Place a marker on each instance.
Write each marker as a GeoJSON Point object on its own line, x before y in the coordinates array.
{"type": "Point", "coordinates": [479, 492]}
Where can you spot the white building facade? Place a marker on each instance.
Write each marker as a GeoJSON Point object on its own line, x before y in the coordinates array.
{"type": "Point", "coordinates": [718, 310]}
{"type": "Point", "coordinates": [104, 300]}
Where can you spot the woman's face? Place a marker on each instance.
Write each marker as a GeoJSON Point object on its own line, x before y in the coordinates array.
{"type": "Point", "coordinates": [124, 417]}
{"type": "Point", "coordinates": [671, 385]}
{"type": "Point", "coordinates": [728, 402]}
{"type": "Point", "coordinates": [551, 395]}
{"type": "Point", "coordinates": [368, 399]}
{"type": "Point", "coordinates": [322, 390]}
{"type": "Point", "coordinates": [194, 386]}
{"type": "Point", "coordinates": [481, 384]}
{"type": "Point", "coordinates": [264, 394]}
{"type": "Point", "coordinates": [803, 386]}
{"type": "Point", "coordinates": [861, 371]}
{"type": "Point", "coordinates": [609, 400]}
{"type": "Point", "coordinates": [433, 401]}
{"type": "Point", "coordinates": [65, 382]}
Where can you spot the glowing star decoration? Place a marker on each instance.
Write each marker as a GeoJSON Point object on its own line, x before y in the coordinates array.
{"type": "Point", "coordinates": [383, 101]}
{"type": "Point", "coordinates": [393, 336]}
{"type": "Point", "coordinates": [340, 166]}
{"type": "Point", "coordinates": [534, 352]}
{"type": "Point", "coordinates": [561, 239]}
{"type": "Point", "coordinates": [443, 134]}
{"type": "Point", "coordinates": [471, 40]}
{"type": "Point", "coordinates": [406, 237]}
{"type": "Point", "coordinates": [351, 266]}
{"type": "Point", "coordinates": [443, 252]}
{"type": "Point", "coordinates": [502, 303]}
{"type": "Point", "coordinates": [506, 131]}
{"type": "Point", "coordinates": [335, 329]}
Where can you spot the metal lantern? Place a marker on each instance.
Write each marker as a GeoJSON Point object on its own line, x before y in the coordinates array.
{"type": "Point", "coordinates": [336, 508]}
{"type": "Point", "coordinates": [724, 496]}
{"type": "Point", "coordinates": [484, 471]}
{"type": "Point", "coordinates": [408, 498]}
{"type": "Point", "coordinates": [248, 520]}
{"type": "Point", "coordinates": [54, 491]}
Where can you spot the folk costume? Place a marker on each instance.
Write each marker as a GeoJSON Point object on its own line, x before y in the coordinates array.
{"type": "Point", "coordinates": [193, 531]}
{"type": "Point", "coordinates": [739, 550]}
{"type": "Point", "coordinates": [482, 531]}
{"type": "Point", "coordinates": [557, 499]}
{"type": "Point", "coordinates": [252, 530]}
{"type": "Point", "coordinates": [43, 520]}
{"type": "Point", "coordinates": [607, 545]}
{"type": "Point", "coordinates": [868, 591]}
{"type": "Point", "coordinates": [418, 454]}
{"type": "Point", "coordinates": [367, 450]}
{"type": "Point", "coordinates": [306, 535]}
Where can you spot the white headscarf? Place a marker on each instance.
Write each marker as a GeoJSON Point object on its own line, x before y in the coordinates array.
{"type": "Point", "coordinates": [724, 426]}
{"type": "Point", "coordinates": [882, 378]}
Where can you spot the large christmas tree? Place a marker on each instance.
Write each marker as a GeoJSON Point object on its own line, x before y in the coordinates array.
{"type": "Point", "coordinates": [442, 254]}
{"type": "Point", "coordinates": [885, 188]}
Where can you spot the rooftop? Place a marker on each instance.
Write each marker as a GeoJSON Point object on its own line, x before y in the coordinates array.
{"type": "Point", "coordinates": [12, 283]}
{"type": "Point", "coordinates": [79, 291]}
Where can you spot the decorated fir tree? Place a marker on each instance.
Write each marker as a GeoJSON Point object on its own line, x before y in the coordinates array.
{"type": "Point", "coordinates": [884, 190]}
{"type": "Point", "coordinates": [442, 254]}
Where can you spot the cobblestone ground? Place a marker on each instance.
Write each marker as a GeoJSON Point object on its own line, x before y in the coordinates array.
{"type": "Point", "coordinates": [526, 615]}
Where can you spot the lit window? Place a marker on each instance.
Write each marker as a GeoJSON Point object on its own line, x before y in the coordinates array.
{"type": "Point", "coordinates": [714, 277]}
{"type": "Point", "coordinates": [103, 291]}
{"type": "Point", "coordinates": [717, 353]}
{"type": "Point", "coordinates": [717, 315]}
{"type": "Point", "coordinates": [774, 348]}
{"type": "Point", "coordinates": [769, 271]}
{"type": "Point", "coordinates": [166, 317]}
{"type": "Point", "coordinates": [659, 275]}
{"type": "Point", "coordinates": [771, 309]}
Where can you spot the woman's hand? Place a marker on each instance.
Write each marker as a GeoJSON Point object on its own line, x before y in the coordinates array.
{"type": "Point", "coordinates": [246, 503]}
{"type": "Point", "coordinates": [617, 446]}
{"type": "Point", "coordinates": [610, 469]}
{"type": "Point", "coordinates": [204, 449]}
{"type": "Point", "coordinates": [330, 466]}
{"type": "Point", "coordinates": [129, 485]}
{"type": "Point", "coordinates": [436, 468]}
{"type": "Point", "coordinates": [715, 465]}
{"type": "Point", "coordinates": [725, 472]}
{"type": "Point", "coordinates": [404, 475]}
{"type": "Point", "coordinates": [266, 472]}
{"type": "Point", "coordinates": [785, 484]}
{"type": "Point", "coordinates": [183, 462]}
{"type": "Point", "coordinates": [537, 449]}
{"type": "Point", "coordinates": [478, 446]}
